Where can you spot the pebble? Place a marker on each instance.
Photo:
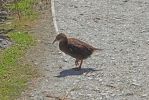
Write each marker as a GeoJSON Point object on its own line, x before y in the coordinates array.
{"type": "Point", "coordinates": [4, 43]}
{"type": "Point", "coordinates": [31, 95]}
{"type": "Point", "coordinates": [136, 84]}
{"type": "Point", "coordinates": [59, 52]}
{"type": "Point", "coordinates": [65, 60]}
{"type": "Point", "coordinates": [36, 63]}
{"type": "Point", "coordinates": [90, 78]}
{"type": "Point", "coordinates": [144, 95]}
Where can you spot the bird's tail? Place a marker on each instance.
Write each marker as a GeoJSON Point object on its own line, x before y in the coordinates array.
{"type": "Point", "coordinates": [98, 49]}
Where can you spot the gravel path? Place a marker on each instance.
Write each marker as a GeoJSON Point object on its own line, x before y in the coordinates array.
{"type": "Point", "coordinates": [120, 72]}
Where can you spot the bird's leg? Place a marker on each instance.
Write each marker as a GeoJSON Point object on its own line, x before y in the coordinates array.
{"type": "Point", "coordinates": [77, 62]}
{"type": "Point", "coordinates": [80, 65]}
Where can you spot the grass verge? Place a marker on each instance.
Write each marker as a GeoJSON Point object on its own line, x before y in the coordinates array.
{"type": "Point", "coordinates": [14, 73]}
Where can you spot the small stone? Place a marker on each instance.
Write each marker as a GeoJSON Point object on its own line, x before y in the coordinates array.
{"type": "Point", "coordinates": [65, 60]}
{"type": "Point", "coordinates": [81, 14]}
{"type": "Point", "coordinates": [39, 40]}
{"type": "Point", "coordinates": [59, 52]}
{"type": "Point", "coordinates": [32, 95]}
{"type": "Point", "coordinates": [100, 98]}
{"type": "Point", "coordinates": [90, 78]}
{"type": "Point", "coordinates": [60, 67]}
{"type": "Point", "coordinates": [75, 6]}
{"type": "Point", "coordinates": [47, 80]}
{"type": "Point", "coordinates": [144, 58]}
{"type": "Point", "coordinates": [8, 23]}
{"type": "Point", "coordinates": [113, 95]}
{"type": "Point", "coordinates": [125, 0]}
{"type": "Point", "coordinates": [144, 95]}
{"type": "Point", "coordinates": [129, 94]}
{"type": "Point", "coordinates": [100, 80]}
{"type": "Point", "coordinates": [112, 58]}
{"type": "Point", "coordinates": [135, 83]}
{"type": "Point", "coordinates": [35, 63]}
{"type": "Point", "coordinates": [89, 95]}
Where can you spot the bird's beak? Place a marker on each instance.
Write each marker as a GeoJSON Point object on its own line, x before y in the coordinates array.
{"type": "Point", "coordinates": [54, 41]}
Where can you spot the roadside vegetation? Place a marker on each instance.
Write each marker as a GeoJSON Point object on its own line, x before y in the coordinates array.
{"type": "Point", "coordinates": [14, 72]}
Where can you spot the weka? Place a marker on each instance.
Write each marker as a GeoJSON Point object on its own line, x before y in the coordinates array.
{"type": "Point", "coordinates": [75, 48]}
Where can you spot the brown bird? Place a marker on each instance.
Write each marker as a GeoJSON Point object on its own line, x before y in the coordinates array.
{"type": "Point", "coordinates": [75, 48]}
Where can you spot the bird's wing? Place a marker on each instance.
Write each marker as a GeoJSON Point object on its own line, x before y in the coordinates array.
{"type": "Point", "coordinates": [78, 47]}
{"type": "Point", "coordinates": [79, 42]}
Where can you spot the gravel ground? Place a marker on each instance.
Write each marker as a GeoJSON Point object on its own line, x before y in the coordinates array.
{"type": "Point", "coordinates": [119, 72]}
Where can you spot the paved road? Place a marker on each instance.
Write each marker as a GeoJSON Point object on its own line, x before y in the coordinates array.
{"type": "Point", "coordinates": [120, 72]}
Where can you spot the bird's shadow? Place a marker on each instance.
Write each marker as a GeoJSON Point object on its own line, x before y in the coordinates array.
{"type": "Point", "coordinates": [72, 72]}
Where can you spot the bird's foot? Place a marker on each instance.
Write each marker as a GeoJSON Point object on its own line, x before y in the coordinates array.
{"type": "Point", "coordinates": [77, 62]}
{"type": "Point", "coordinates": [76, 69]}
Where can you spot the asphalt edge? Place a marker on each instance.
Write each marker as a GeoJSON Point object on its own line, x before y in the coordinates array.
{"type": "Point", "coordinates": [54, 16]}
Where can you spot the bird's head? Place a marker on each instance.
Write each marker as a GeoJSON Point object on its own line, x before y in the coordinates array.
{"type": "Point", "coordinates": [60, 37]}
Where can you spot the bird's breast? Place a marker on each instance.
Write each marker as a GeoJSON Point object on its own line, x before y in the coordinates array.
{"type": "Point", "coordinates": [63, 47]}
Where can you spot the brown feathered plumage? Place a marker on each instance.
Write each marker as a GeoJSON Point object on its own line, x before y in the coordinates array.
{"type": "Point", "coordinates": [75, 48]}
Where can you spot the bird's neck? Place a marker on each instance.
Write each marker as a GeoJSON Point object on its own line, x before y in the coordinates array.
{"type": "Point", "coordinates": [64, 41]}
{"type": "Point", "coordinates": [63, 45]}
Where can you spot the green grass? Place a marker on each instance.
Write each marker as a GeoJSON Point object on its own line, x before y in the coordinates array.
{"type": "Point", "coordinates": [26, 11]}
{"type": "Point", "coordinates": [14, 74]}
{"type": "Point", "coordinates": [22, 41]}
{"type": "Point", "coordinates": [14, 71]}
{"type": "Point", "coordinates": [25, 7]}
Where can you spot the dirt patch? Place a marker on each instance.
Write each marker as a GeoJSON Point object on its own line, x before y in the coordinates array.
{"type": "Point", "coordinates": [45, 33]}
